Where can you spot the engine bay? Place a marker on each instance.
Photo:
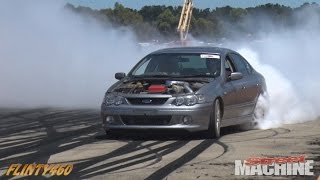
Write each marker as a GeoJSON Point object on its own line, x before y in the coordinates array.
{"type": "Point", "coordinates": [159, 87]}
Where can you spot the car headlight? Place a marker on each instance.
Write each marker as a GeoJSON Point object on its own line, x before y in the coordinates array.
{"type": "Point", "coordinates": [190, 100]}
{"type": "Point", "coordinates": [179, 100]}
{"type": "Point", "coordinates": [201, 98]}
{"type": "Point", "coordinates": [112, 99]}
{"type": "Point", "coordinates": [118, 101]}
{"type": "Point", "coordinates": [109, 99]}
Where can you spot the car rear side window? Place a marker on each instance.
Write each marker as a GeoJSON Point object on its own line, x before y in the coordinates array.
{"type": "Point", "coordinates": [249, 68]}
{"type": "Point", "coordinates": [240, 63]}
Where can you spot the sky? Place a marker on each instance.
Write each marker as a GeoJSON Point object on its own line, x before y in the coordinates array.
{"type": "Point", "coordinates": [137, 4]}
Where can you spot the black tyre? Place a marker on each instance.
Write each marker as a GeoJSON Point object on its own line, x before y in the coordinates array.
{"type": "Point", "coordinates": [247, 126]}
{"type": "Point", "coordinates": [215, 120]}
{"type": "Point", "coordinates": [259, 113]}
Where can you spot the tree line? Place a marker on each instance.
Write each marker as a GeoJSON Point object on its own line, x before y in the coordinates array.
{"type": "Point", "coordinates": [160, 21]}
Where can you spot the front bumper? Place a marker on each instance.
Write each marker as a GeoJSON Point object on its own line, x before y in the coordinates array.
{"type": "Point", "coordinates": [199, 113]}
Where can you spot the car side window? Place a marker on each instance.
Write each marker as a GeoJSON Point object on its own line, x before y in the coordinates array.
{"type": "Point", "coordinates": [240, 64]}
{"type": "Point", "coordinates": [248, 66]}
{"type": "Point", "coordinates": [229, 67]}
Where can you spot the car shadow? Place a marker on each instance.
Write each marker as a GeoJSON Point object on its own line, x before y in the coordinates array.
{"type": "Point", "coordinates": [144, 135]}
{"type": "Point", "coordinates": [164, 135]}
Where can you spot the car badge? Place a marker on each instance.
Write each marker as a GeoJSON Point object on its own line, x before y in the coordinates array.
{"type": "Point", "coordinates": [146, 101]}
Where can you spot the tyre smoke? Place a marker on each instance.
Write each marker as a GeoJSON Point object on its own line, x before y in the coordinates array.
{"type": "Point", "coordinates": [286, 103]}
{"type": "Point", "coordinates": [50, 56]}
{"type": "Point", "coordinates": [289, 62]}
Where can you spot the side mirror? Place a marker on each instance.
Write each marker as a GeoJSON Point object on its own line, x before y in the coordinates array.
{"type": "Point", "coordinates": [120, 75]}
{"type": "Point", "coordinates": [236, 76]}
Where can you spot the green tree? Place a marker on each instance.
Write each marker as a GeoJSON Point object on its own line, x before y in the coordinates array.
{"type": "Point", "coordinates": [126, 16]}
{"type": "Point", "coordinates": [152, 21]}
{"type": "Point", "coordinates": [167, 22]}
{"type": "Point", "coordinates": [237, 14]}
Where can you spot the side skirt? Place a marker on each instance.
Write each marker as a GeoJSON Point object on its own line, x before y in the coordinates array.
{"type": "Point", "coordinates": [237, 120]}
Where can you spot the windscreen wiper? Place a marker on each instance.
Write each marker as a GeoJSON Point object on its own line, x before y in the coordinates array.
{"type": "Point", "coordinates": [152, 76]}
{"type": "Point", "coordinates": [198, 75]}
{"type": "Point", "coordinates": [158, 75]}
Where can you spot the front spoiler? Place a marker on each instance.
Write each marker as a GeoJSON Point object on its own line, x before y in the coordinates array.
{"type": "Point", "coordinates": [200, 114]}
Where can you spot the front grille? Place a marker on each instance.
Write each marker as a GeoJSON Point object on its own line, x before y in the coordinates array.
{"type": "Point", "coordinates": [147, 101]}
{"type": "Point", "coordinates": [146, 120]}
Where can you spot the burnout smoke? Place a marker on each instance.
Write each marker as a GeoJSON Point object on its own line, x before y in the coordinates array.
{"type": "Point", "coordinates": [50, 56]}
{"type": "Point", "coordinates": [289, 62]}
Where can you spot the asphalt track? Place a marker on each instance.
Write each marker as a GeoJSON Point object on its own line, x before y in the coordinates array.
{"type": "Point", "coordinates": [48, 135]}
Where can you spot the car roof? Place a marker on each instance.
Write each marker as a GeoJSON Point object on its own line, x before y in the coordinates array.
{"type": "Point", "coordinates": [213, 50]}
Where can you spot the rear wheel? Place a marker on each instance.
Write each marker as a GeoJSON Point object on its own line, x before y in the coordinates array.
{"type": "Point", "coordinates": [261, 109]}
{"type": "Point", "coordinates": [215, 120]}
{"type": "Point", "coordinates": [259, 112]}
{"type": "Point", "coordinates": [247, 125]}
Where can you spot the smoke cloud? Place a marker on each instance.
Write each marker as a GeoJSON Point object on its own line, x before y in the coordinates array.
{"type": "Point", "coordinates": [288, 59]}
{"type": "Point", "coordinates": [50, 56]}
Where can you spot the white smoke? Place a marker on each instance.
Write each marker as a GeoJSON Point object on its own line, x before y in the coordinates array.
{"type": "Point", "coordinates": [289, 62]}
{"type": "Point", "coordinates": [50, 56]}
{"type": "Point", "coordinates": [285, 105]}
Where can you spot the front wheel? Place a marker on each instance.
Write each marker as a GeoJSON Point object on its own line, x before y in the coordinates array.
{"type": "Point", "coordinates": [215, 120]}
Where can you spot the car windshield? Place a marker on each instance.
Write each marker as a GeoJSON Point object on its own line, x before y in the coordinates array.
{"type": "Point", "coordinates": [178, 65]}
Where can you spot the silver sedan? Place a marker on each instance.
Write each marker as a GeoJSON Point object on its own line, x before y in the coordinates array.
{"type": "Point", "coordinates": [189, 88]}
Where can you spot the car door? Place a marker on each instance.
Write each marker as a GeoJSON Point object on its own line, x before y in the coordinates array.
{"type": "Point", "coordinates": [247, 88]}
{"type": "Point", "coordinates": [229, 96]}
